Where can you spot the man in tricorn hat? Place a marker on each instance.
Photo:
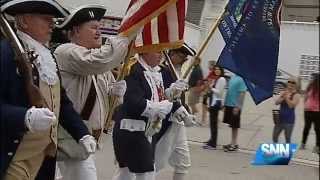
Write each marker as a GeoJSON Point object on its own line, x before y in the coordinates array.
{"type": "Point", "coordinates": [28, 133]}
{"type": "Point", "coordinates": [145, 104]}
{"type": "Point", "coordinates": [171, 143]}
{"type": "Point", "coordinates": [85, 65]}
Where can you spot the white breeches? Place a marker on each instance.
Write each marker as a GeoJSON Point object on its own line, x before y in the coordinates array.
{"type": "Point", "coordinates": [79, 170]}
{"type": "Point", "coordinates": [125, 174]}
{"type": "Point", "coordinates": [173, 148]}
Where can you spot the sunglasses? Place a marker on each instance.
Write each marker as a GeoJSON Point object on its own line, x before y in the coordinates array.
{"type": "Point", "coordinates": [291, 82]}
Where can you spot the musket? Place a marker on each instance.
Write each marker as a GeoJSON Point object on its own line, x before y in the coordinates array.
{"type": "Point", "coordinates": [24, 63]}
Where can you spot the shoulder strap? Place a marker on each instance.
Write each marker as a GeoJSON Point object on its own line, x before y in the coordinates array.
{"type": "Point", "coordinates": [215, 82]}
{"type": "Point", "coordinates": [90, 101]}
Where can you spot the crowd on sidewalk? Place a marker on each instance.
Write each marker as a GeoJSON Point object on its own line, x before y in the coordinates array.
{"type": "Point", "coordinates": [225, 94]}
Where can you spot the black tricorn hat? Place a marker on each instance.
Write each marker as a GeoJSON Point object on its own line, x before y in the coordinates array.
{"type": "Point", "coordinates": [83, 14]}
{"type": "Point", "coordinates": [186, 50]}
{"type": "Point", "coordinates": [50, 7]}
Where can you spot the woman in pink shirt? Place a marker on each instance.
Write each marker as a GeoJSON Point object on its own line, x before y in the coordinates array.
{"type": "Point", "coordinates": [312, 113]}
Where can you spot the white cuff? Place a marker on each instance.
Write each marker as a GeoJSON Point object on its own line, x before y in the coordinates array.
{"type": "Point", "coordinates": [179, 115]}
{"type": "Point", "coordinates": [27, 119]}
{"type": "Point", "coordinates": [149, 111]}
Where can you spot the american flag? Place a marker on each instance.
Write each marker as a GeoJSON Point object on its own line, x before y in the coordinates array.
{"type": "Point", "coordinates": [159, 29]}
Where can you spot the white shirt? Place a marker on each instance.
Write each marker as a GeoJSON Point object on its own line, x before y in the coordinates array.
{"type": "Point", "coordinates": [45, 62]}
{"type": "Point", "coordinates": [218, 90]}
{"type": "Point", "coordinates": [78, 65]}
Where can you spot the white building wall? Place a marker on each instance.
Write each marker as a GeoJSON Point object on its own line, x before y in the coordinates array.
{"type": "Point", "coordinates": [297, 39]}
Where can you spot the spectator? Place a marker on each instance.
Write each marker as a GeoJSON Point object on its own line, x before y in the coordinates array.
{"type": "Point", "coordinates": [311, 113]}
{"type": "Point", "coordinates": [288, 100]}
{"type": "Point", "coordinates": [207, 93]}
{"type": "Point", "coordinates": [196, 86]}
{"type": "Point", "coordinates": [216, 105]}
{"type": "Point", "coordinates": [232, 111]}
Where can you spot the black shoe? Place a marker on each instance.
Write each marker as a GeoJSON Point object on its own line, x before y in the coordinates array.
{"type": "Point", "coordinates": [207, 146]}
{"type": "Point", "coordinates": [233, 148]}
{"type": "Point", "coordinates": [226, 147]}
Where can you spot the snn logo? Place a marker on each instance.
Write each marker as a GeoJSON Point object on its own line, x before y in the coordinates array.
{"type": "Point", "coordinates": [282, 150]}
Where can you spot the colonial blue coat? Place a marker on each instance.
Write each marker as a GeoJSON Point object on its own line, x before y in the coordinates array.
{"type": "Point", "coordinates": [132, 148]}
{"type": "Point", "coordinates": [13, 106]}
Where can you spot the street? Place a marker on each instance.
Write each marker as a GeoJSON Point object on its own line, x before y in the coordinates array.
{"type": "Point", "coordinates": [217, 165]}
{"type": "Point", "coordinates": [256, 128]}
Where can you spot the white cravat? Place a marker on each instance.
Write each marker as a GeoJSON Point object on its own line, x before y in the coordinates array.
{"type": "Point", "coordinates": [45, 63]}
{"type": "Point", "coordinates": [154, 78]}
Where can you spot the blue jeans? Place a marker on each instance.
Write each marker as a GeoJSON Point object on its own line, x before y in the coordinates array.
{"type": "Point", "coordinates": [278, 129]}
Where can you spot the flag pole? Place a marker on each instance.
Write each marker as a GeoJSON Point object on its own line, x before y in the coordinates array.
{"type": "Point", "coordinates": [170, 65]}
{"type": "Point", "coordinates": [114, 99]}
{"type": "Point", "coordinates": [204, 43]}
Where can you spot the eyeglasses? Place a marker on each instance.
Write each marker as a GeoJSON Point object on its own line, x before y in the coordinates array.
{"type": "Point", "coordinates": [291, 82]}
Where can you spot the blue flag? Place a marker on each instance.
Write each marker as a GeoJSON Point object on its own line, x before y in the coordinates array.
{"type": "Point", "coordinates": [252, 49]}
{"type": "Point", "coordinates": [227, 26]}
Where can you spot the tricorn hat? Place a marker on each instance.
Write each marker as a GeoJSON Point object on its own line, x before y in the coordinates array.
{"type": "Point", "coordinates": [186, 50]}
{"type": "Point", "coordinates": [50, 7]}
{"type": "Point", "coordinates": [83, 14]}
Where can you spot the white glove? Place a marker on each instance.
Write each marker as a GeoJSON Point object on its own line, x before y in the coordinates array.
{"type": "Point", "coordinates": [120, 41]}
{"type": "Point", "coordinates": [157, 109]}
{"type": "Point", "coordinates": [89, 143]}
{"type": "Point", "coordinates": [161, 110]}
{"type": "Point", "coordinates": [153, 127]}
{"type": "Point", "coordinates": [164, 108]}
{"type": "Point", "coordinates": [182, 115]}
{"type": "Point", "coordinates": [132, 35]}
{"type": "Point", "coordinates": [39, 119]}
{"type": "Point", "coordinates": [190, 121]}
{"type": "Point", "coordinates": [118, 88]}
{"type": "Point", "coordinates": [175, 90]}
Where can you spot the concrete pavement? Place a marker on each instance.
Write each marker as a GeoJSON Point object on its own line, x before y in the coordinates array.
{"type": "Point", "coordinates": [256, 128]}
{"type": "Point", "coordinates": [216, 165]}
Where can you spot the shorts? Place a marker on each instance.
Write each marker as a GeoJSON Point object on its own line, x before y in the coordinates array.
{"type": "Point", "coordinates": [230, 118]}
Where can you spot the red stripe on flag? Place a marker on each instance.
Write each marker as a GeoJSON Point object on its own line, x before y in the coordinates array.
{"type": "Point", "coordinates": [181, 16]}
{"type": "Point", "coordinates": [145, 10]}
{"type": "Point", "coordinates": [147, 34]}
{"type": "Point", "coordinates": [163, 30]}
